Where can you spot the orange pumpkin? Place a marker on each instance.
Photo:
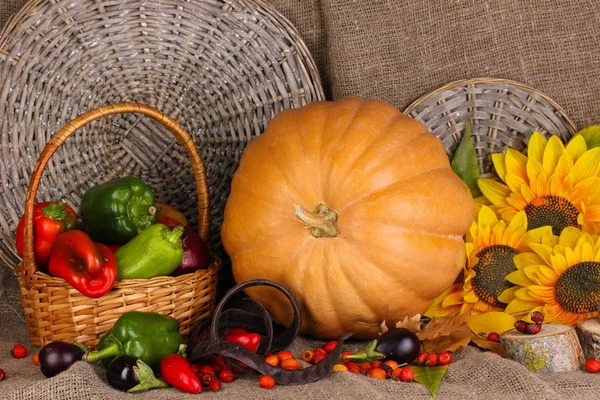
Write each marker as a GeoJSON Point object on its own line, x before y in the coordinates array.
{"type": "Point", "coordinates": [354, 207]}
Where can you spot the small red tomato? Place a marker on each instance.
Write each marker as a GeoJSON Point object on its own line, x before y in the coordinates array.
{"type": "Point", "coordinates": [2, 374]}
{"type": "Point", "coordinates": [406, 374]}
{"type": "Point", "coordinates": [19, 351]}
{"type": "Point", "coordinates": [421, 358]}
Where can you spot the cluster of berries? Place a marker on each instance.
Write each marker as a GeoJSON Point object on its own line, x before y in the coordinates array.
{"type": "Point", "coordinates": [216, 371]}
{"type": "Point", "coordinates": [433, 359]}
{"type": "Point", "coordinates": [533, 327]}
{"type": "Point", "coordinates": [377, 369]}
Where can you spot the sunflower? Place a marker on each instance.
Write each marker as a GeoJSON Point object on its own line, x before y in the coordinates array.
{"type": "Point", "coordinates": [561, 278]}
{"type": "Point", "coordinates": [490, 247]}
{"type": "Point", "coordinates": [555, 185]}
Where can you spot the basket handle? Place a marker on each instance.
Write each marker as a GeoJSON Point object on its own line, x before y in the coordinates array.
{"type": "Point", "coordinates": [28, 266]}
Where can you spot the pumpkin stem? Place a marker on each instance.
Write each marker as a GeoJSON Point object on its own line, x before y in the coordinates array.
{"type": "Point", "coordinates": [322, 221]}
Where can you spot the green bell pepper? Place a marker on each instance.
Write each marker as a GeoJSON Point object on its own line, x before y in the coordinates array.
{"type": "Point", "coordinates": [157, 251]}
{"type": "Point", "coordinates": [146, 335]}
{"type": "Point", "coordinates": [116, 211]}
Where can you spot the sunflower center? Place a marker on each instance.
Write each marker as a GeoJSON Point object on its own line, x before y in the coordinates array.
{"type": "Point", "coordinates": [554, 211]}
{"type": "Point", "coordinates": [578, 288]}
{"type": "Point", "coordinates": [495, 262]}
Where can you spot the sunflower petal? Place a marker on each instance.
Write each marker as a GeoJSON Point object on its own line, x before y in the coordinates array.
{"type": "Point", "coordinates": [494, 191]}
{"type": "Point", "coordinates": [553, 152]}
{"type": "Point", "coordinates": [516, 163]}
{"type": "Point", "coordinates": [495, 321]}
{"type": "Point", "coordinates": [498, 159]}
{"type": "Point", "coordinates": [576, 147]}
{"type": "Point", "coordinates": [508, 295]}
{"type": "Point", "coordinates": [518, 306]}
{"type": "Point", "coordinates": [518, 277]}
{"type": "Point", "coordinates": [536, 146]}
{"type": "Point", "coordinates": [526, 259]}
{"type": "Point", "coordinates": [534, 169]}
{"type": "Point", "coordinates": [587, 165]}
{"type": "Point", "coordinates": [569, 237]}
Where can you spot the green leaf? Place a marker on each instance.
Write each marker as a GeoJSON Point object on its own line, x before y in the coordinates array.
{"type": "Point", "coordinates": [430, 377]}
{"type": "Point", "coordinates": [464, 163]}
{"type": "Point", "coordinates": [591, 134]}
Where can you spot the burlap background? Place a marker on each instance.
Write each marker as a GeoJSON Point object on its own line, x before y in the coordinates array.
{"type": "Point", "coordinates": [395, 51]}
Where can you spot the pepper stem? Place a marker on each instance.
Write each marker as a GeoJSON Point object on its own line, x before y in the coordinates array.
{"type": "Point", "coordinates": [55, 211]}
{"type": "Point", "coordinates": [321, 221]}
{"type": "Point", "coordinates": [146, 377]}
{"type": "Point", "coordinates": [139, 210]}
{"type": "Point", "coordinates": [173, 236]}
{"type": "Point", "coordinates": [112, 350]}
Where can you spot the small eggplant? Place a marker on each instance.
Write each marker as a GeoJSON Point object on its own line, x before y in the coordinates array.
{"type": "Point", "coordinates": [195, 253]}
{"type": "Point", "coordinates": [56, 357]}
{"type": "Point", "coordinates": [130, 374]}
{"type": "Point", "coordinates": [399, 344]}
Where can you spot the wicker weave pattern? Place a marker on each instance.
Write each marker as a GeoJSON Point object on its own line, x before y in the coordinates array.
{"type": "Point", "coordinates": [222, 69]}
{"type": "Point", "coordinates": [503, 114]}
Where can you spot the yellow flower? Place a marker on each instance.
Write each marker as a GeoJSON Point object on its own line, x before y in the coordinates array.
{"type": "Point", "coordinates": [561, 278]}
{"type": "Point", "coordinates": [555, 185]}
{"type": "Point", "coordinates": [490, 246]}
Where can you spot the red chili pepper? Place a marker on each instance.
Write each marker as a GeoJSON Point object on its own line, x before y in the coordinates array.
{"type": "Point", "coordinates": [177, 371]}
{"type": "Point", "coordinates": [88, 266]}
{"type": "Point", "coordinates": [49, 221]}
{"type": "Point", "coordinates": [243, 337]}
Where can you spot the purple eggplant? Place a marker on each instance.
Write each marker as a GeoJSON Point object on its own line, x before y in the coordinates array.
{"type": "Point", "coordinates": [195, 253]}
{"type": "Point", "coordinates": [56, 357]}
{"type": "Point", "coordinates": [130, 374]}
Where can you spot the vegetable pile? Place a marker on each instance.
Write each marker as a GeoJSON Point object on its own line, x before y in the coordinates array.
{"type": "Point", "coordinates": [123, 234]}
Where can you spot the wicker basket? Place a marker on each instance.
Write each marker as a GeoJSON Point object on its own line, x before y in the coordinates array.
{"type": "Point", "coordinates": [54, 310]}
{"type": "Point", "coordinates": [503, 114]}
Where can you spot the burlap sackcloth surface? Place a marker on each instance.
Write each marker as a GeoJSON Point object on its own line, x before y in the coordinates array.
{"type": "Point", "coordinates": [394, 51]}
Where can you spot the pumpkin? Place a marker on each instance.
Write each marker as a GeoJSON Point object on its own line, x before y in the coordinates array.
{"type": "Point", "coordinates": [354, 207]}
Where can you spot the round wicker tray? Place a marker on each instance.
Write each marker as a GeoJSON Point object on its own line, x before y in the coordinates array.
{"type": "Point", "coordinates": [221, 69]}
{"type": "Point", "coordinates": [502, 114]}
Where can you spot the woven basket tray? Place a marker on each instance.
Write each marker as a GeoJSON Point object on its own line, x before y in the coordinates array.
{"type": "Point", "coordinates": [222, 69]}
{"type": "Point", "coordinates": [502, 114]}
{"type": "Point", "coordinates": [54, 310]}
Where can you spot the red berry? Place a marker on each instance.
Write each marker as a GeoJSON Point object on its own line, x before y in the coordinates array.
{"type": "Point", "coordinates": [291, 364]}
{"type": "Point", "coordinates": [19, 351]}
{"type": "Point", "coordinates": [274, 360]}
{"type": "Point", "coordinates": [329, 346]}
{"type": "Point", "coordinates": [421, 358]}
{"type": "Point", "coordinates": [537, 317]}
{"type": "Point", "coordinates": [392, 364]}
{"type": "Point", "coordinates": [322, 351]}
{"type": "Point", "coordinates": [493, 337]}
{"type": "Point", "coordinates": [521, 326]}
{"type": "Point", "coordinates": [206, 379]}
{"type": "Point", "coordinates": [532, 329]}
{"type": "Point", "coordinates": [317, 358]}
{"type": "Point", "coordinates": [406, 374]}
{"type": "Point", "coordinates": [216, 360]}
{"type": "Point", "coordinates": [377, 373]}
{"type": "Point", "coordinates": [195, 369]}
{"type": "Point", "coordinates": [352, 365]}
{"type": "Point", "coordinates": [388, 370]}
{"type": "Point", "coordinates": [365, 368]}
{"type": "Point", "coordinates": [307, 356]}
{"type": "Point", "coordinates": [432, 360]}
{"type": "Point", "coordinates": [444, 358]}
{"type": "Point", "coordinates": [2, 374]}
{"type": "Point", "coordinates": [376, 363]}
{"type": "Point", "coordinates": [344, 354]}
{"type": "Point", "coordinates": [266, 382]}
{"type": "Point", "coordinates": [354, 370]}
{"type": "Point", "coordinates": [215, 385]}
{"type": "Point", "coordinates": [226, 376]}
{"type": "Point", "coordinates": [592, 366]}
{"type": "Point", "coordinates": [207, 369]}
{"type": "Point", "coordinates": [284, 355]}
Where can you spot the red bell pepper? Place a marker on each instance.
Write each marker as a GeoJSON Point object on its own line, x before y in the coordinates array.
{"type": "Point", "coordinates": [88, 266]}
{"type": "Point", "coordinates": [177, 371]}
{"type": "Point", "coordinates": [243, 337]}
{"type": "Point", "coordinates": [49, 221]}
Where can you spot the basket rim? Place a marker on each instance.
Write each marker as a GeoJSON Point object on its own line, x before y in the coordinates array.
{"type": "Point", "coordinates": [473, 81]}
